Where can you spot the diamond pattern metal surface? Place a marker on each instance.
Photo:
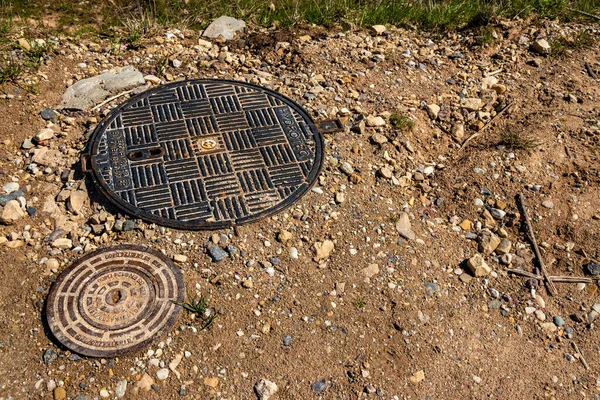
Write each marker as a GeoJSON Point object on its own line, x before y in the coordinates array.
{"type": "Point", "coordinates": [205, 154]}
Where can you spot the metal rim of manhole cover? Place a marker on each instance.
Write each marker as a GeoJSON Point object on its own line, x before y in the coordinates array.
{"type": "Point", "coordinates": [205, 154]}
{"type": "Point", "coordinates": [114, 300]}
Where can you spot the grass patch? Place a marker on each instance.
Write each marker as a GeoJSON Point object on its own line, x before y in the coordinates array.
{"type": "Point", "coordinates": [136, 16]}
{"type": "Point", "coordinates": [515, 139]}
{"type": "Point", "coordinates": [582, 39]}
{"type": "Point", "coordinates": [402, 122]}
{"type": "Point", "coordinates": [10, 71]}
{"type": "Point", "coordinates": [198, 305]}
{"type": "Point", "coordinates": [359, 303]}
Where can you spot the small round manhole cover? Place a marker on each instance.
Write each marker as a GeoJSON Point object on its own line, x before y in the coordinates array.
{"type": "Point", "coordinates": [205, 154]}
{"type": "Point", "coordinates": [114, 300]}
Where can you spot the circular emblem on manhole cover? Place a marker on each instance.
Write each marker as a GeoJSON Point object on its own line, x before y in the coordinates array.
{"type": "Point", "coordinates": [205, 154]}
{"type": "Point", "coordinates": [114, 300]}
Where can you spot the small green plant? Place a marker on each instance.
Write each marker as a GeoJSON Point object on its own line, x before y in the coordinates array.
{"type": "Point", "coordinates": [34, 56]}
{"type": "Point", "coordinates": [161, 64]}
{"type": "Point", "coordinates": [198, 305]}
{"type": "Point", "coordinates": [360, 303]}
{"type": "Point", "coordinates": [486, 35]}
{"type": "Point", "coordinates": [10, 71]}
{"type": "Point", "coordinates": [402, 122]}
{"type": "Point", "coordinates": [515, 139]}
{"type": "Point", "coordinates": [580, 40]}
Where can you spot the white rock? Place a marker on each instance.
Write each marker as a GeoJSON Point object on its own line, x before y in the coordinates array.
{"type": "Point", "coordinates": [121, 388]}
{"type": "Point", "coordinates": [375, 121]}
{"type": "Point", "coordinates": [62, 243]}
{"type": "Point", "coordinates": [433, 110]}
{"type": "Point", "coordinates": [162, 374]}
{"type": "Point", "coordinates": [225, 27]}
{"type": "Point", "coordinates": [11, 187]}
{"type": "Point", "coordinates": [87, 93]}
{"type": "Point", "coordinates": [541, 46]}
{"type": "Point", "coordinates": [378, 29]}
{"type": "Point", "coordinates": [44, 134]}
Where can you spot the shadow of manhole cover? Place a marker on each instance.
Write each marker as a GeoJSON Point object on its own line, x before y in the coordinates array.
{"type": "Point", "coordinates": [205, 154]}
{"type": "Point", "coordinates": [114, 300]}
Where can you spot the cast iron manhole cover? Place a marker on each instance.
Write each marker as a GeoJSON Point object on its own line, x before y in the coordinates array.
{"type": "Point", "coordinates": [114, 300]}
{"type": "Point", "coordinates": [205, 154]}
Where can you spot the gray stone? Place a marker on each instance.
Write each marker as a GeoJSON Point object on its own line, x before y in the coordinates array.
{"type": "Point", "coordinates": [50, 355]}
{"type": "Point", "coordinates": [558, 321]}
{"type": "Point", "coordinates": [128, 225]}
{"type": "Point", "coordinates": [592, 268]}
{"type": "Point", "coordinates": [217, 254]}
{"type": "Point", "coordinates": [287, 340]}
{"type": "Point", "coordinates": [87, 93]}
{"type": "Point", "coordinates": [320, 386]}
{"type": "Point", "coordinates": [225, 27]}
{"type": "Point", "coordinates": [48, 114]}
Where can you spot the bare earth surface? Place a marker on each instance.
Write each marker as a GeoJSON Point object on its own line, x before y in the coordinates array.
{"type": "Point", "coordinates": [380, 315]}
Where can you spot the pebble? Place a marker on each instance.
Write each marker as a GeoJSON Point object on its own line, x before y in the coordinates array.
{"type": "Point", "coordinates": [374, 121]}
{"type": "Point", "coordinates": [50, 355]}
{"type": "Point", "coordinates": [541, 46]}
{"type": "Point", "coordinates": [11, 213]}
{"type": "Point", "coordinates": [539, 314]}
{"type": "Point", "coordinates": [287, 340]}
{"type": "Point", "coordinates": [44, 134]}
{"type": "Point", "coordinates": [217, 254]}
{"type": "Point", "coordinates": [104, 393]}
{"type": "Point", "coordinates": [11, 187]}
{"type": "Point", "coordinates": [548, 204]}
{"type": "Point", "coordinates": [265, 389]}
{"type": "Point", "coordinates": [478, 266]}
{"type": "Point", "coordinates": [558, 321]}
{"type": "Point", "coordinates": [60, 393]}
{"type": "Point", "coordinates": [162, 374]}
{"type": "Point", "coordinates": [592, 268]}
{"type": "Point", "coordinates": [293, 253]}
{"type": "Point", "coordinates": [121, 388]}
{"type": "Point", "coordinates": [488, 241]}
{"type": "Point", "coordinates": [320, 386]}
{"type": "Point", "coordinates": [404, 227]}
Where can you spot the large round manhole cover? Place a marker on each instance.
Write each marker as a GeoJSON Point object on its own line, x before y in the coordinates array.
{"type": "Point", "coordinates": [114, 300]}
{"type": "Point", "coordinates": [205, 154]}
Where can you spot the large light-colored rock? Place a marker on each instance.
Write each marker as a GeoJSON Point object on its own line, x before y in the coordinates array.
{"type": "Point", "coordinates": [488, 242]}
{"type": "Point", "coordinates": [225, 27]}
{"type": "Point", "coordinates": [323, 249]}
{"type": "Point", "coordinates": [87, 93]}
{"type": "Point", "coordinates": [478, 266]}
{"type": "Point", "coordinates": [404, 227]}
{"type": "Point", "coordinates": [11, 213]}
{"type": "Point", "coordinates": [541, 46]}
